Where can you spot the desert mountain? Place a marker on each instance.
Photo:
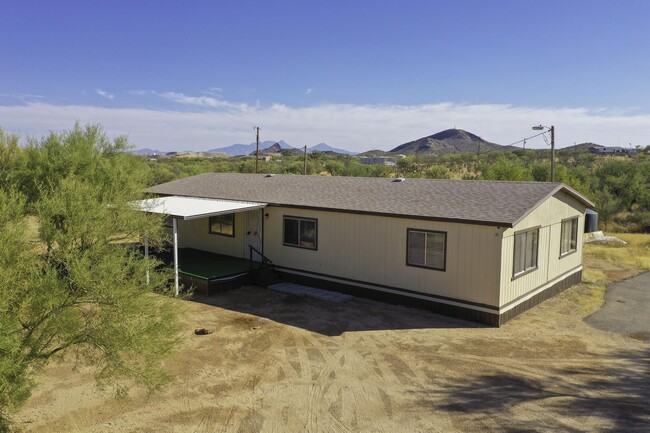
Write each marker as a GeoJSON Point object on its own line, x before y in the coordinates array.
{"type": "Point", "coordinates": [246, 149]}
{"type": "Point", "coordinates": [275, 148]}
{"type": "Point", "coordinates": [449, 141]}
{"type": "Point", "coordinates": [323, 147]}
{"type": "Point", "coordinates": [249, 149]}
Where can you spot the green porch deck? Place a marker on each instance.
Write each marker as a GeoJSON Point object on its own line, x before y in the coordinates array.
{"type": "Point", "coordinates": [209, 272]}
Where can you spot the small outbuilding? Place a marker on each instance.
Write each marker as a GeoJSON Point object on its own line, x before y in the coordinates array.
{"type": "Point", "coordinates": [480, 250]}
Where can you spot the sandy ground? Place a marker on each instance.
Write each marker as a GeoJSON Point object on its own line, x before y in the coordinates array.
{"type": "Point", "coordinates": [281, 363]}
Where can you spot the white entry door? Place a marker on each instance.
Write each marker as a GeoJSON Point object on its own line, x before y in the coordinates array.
{"type": "Point", "coordinates": [254, 233]}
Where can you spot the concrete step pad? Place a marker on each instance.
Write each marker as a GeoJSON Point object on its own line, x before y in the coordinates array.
{"type": "Point", "coordinates": [312, 292]}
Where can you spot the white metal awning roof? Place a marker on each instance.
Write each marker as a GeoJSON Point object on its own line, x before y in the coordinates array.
{"type": "Point", "coordinates": [189, 208]}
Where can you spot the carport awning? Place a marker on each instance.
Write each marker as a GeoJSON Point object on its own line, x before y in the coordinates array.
{"type": "Point", "coordinates": [189, 208]}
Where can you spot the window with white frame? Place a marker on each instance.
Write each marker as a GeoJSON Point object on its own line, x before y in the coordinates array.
{"type": "Point", "coordinates": [525, 253]}
{"type": "Point", "coordinates": [223, 225]}
{"type": "Point", "coordinates": [569, 236]}
{"type": "Point", "coordinates": [300, 232]}
{"type": "Point", "coordinates": [426, 249]}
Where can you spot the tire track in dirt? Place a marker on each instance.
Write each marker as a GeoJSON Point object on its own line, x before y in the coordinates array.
{"type": "Point", "coordinates": [233, 416]}
{"type": "Point", "coordinates": [339, 381]}
{"type": "Point", "coordinates": [357, 377]}
{"type": "Point", "coordinates": [320, 366]}
{"type": "Point", "coordinates": [269, 368]}
{"type": "Point", "coordinates": [378, 377]}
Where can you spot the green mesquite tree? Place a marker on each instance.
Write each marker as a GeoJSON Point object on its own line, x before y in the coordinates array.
{"type": "Point", "coordinates": [77, 289]}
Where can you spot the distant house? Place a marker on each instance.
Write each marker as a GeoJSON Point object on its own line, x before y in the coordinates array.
{"type": "Point", "coordinates": [480, 250]}
{"type": "Point", "coordinates": [613, 150]}
{"type": "Point", "coordinates": [378, 160]}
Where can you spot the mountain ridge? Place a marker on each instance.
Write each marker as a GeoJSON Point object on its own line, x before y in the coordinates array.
{"type": "Point", "coordinates": [324, 147]}
{"type": "Point", "coordinates": [245, 149]}
{"type": "Point", "coordinates": [449, 141]}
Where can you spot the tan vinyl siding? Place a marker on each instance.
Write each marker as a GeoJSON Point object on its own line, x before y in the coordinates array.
{"type": "Point", "coordinates": [548, 217]}
{"type": "Point", "coordinates": [372, 249]}
{"type": "Point", "coordinates": [195, 234]}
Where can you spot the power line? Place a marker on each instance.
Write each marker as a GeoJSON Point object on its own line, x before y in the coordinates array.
{"type": "Point", "coordinates": [523, 140]}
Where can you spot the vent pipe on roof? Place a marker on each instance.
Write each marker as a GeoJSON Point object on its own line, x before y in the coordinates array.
{"type": "Point", "coordinates": [399, 179]}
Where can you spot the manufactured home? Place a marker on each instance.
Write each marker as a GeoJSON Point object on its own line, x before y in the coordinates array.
{"type": "Point", "coordinates": [480, 250]}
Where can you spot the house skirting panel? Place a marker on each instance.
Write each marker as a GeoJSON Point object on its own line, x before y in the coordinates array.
{"type": "Point", "coordinates": [446, 306]}
{"type": "Point", "coordinates": [540, 295]}
{"type": "Point", "coordinates": [474, 312]}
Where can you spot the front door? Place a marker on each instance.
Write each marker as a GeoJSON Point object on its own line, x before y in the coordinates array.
{"type": "Point", "coordinates": [254, 233]}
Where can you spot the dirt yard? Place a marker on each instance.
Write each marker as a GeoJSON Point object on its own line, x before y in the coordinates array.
{"type": "Point", "coordinates": [281, 363]}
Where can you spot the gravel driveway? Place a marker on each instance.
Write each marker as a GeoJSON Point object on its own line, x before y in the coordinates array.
{"type": "Point", "coordinates": [626, 309]}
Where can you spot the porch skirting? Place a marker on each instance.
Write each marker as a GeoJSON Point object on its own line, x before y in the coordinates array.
{"type": "Point", "coordinates": [481, 313]}
{"type": "Point", "coordinates": [203, 286]}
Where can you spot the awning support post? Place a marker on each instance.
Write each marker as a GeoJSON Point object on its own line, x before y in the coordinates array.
{"type": "Point", "coordinates": [175, 223]}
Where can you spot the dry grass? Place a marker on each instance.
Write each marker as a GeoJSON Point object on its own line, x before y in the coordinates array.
{"type": "Point", "coordinates": [608, 263]}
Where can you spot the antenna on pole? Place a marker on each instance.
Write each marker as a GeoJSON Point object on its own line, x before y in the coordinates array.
{"type": "Point", "coordinates": [257, 148]}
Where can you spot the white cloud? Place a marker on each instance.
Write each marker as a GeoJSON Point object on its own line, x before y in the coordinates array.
{"type": "Point", "coordinates": [141, 92]}
{"type": "Point", "coordinates": [197, 101]}
{"type": "Point", "coordinates": [353, 127]}
{"type": "Point", "coordinates": [21, 96]}
{"type": "Point", "coordinates": [104, 93]}
{"type": "Point", "coordinates": [214, 91]}
{"type": "Point", "coordinates": [308, 91]}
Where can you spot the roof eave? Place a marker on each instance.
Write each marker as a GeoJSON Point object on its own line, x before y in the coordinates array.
{"type": "Point", "coordinates": [560, 187]}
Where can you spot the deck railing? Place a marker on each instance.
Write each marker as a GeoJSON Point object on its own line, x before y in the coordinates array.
{"type": "Point", "coordinates": [265, 260]}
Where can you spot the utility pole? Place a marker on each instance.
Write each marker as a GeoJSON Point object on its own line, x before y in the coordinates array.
{"type": "Point", "coordinates": [257, 148]}
{"type": "Point", "coordinates": [552, 153]}
{"type": "Point", "coordinates": [305, 163]}
{"type": "Point", "coordinates": [552, 129]}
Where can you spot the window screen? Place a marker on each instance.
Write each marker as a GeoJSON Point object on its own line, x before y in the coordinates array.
{"type": "Point", "coordinates": [426, 249]}
{"type": "Point", "coordinates": [300, 232]}
{"type": "Point", "coordinates": [525, 253]}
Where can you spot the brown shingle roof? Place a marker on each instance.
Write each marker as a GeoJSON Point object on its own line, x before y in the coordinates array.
{"type": "Point", "coordinates": [472, 201]}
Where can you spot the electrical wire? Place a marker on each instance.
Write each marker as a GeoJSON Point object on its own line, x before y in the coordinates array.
{"type": "Point", "coordinates": [523, 140]}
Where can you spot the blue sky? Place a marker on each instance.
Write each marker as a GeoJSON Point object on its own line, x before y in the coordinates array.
{"type": "Point", "coordinates": [354, 74]}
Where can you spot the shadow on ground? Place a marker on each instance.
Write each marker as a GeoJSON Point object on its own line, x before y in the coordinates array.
{"type": "Point", "coordinates": [326, 317]}
{"type": "Point", "coordinates": [613, 397]}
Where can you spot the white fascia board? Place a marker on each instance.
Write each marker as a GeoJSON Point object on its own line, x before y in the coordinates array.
{"type": "Point", "coordinates": [189, 208]}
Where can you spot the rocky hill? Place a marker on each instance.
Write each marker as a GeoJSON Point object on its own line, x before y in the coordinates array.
{"type": "Point", "coordinates": [246, 149]}
{"type": "Point", "coordinates": [375, 152]}
{"type": "Point", "coordinates": [326, 148]}
{"type": "Point", "coordinates": [273, 149]}
{"type": "Point", "coordinates": [449, 141]}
